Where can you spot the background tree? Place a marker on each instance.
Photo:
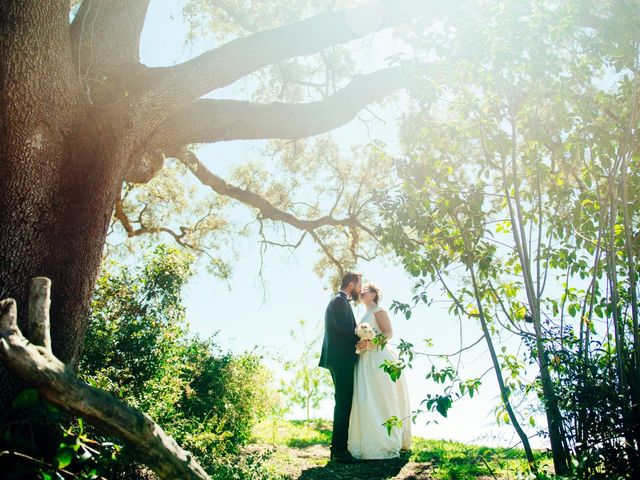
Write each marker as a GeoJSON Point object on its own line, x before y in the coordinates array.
{"type": "Point", "coordinates": [139, 349]}
{"type": "Point", "coordinates": [520, 170]}
{"type": "Point", "coordinates": [308, 384]}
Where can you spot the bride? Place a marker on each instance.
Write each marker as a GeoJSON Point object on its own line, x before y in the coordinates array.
{"type": "Point", "coordinates": [376, 397]}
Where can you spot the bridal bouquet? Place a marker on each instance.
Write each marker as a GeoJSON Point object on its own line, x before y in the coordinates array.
{"type": "Point", "coordinates": [365, 331]}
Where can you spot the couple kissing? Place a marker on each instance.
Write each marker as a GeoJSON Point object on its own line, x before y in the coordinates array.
{"type": "Point", "coordinates": [365, 395]}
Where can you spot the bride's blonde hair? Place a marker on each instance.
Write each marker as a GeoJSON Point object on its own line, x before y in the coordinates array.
{"type": "Point", "coordinates": [375, 289]}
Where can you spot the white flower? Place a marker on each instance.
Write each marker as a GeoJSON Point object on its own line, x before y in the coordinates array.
{"type": "Point", "coordinates": [365, 331]}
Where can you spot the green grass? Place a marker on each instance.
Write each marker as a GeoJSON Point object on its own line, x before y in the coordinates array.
{"type": "Point", "coordinates": [459, 461]}
{"type": "Point", "coordinates": [293, 433]}
{"type": "Point", "coordinates": [449, 460]}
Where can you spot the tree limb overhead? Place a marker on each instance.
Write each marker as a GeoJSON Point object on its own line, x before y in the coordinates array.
{"type": "Point", "coordinates": [266, 209]}
{"type": "Point", "coordinates": [208, 121]}
{"type": "Point", "coordinates": [224, 65]}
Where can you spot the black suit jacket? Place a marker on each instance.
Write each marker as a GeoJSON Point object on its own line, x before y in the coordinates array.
{"type": "Point", "coordinates": [339, 345]}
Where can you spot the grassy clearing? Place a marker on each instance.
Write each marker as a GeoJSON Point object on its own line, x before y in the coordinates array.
{"type": "Point", "coordinates": [307, 443]}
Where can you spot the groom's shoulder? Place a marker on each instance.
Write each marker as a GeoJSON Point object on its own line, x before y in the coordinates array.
{"type": "Point", "coordinates": [338, 298]}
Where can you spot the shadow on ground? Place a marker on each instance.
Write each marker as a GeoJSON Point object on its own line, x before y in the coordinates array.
{"type": "Point", "coordinates": [310, 463]}
{"type": "Point", "coordinates": [370, 470]}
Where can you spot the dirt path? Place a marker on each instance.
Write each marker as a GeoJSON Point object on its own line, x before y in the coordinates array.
{"type": "Point", "coordinates": [311, 463]}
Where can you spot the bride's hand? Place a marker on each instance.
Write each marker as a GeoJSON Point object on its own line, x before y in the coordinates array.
{"type": "Point", "coordinates": [364, 345]}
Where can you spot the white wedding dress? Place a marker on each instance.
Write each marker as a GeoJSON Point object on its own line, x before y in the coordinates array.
{"type": "Point", "coordinates": [376, 398]}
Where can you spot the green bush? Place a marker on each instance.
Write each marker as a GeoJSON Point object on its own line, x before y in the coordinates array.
{"type": "Point", "coordinates": [138, 348]}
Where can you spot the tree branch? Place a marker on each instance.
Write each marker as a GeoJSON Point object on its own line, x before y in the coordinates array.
{"type": "Point", "coordinates": [106, 33]}
{"type": "Point", "coordinates": [186, 82]}
{"type": "Point", "coordinates": [57, 383]}
{"type": "Point", "coordinates": [266, 209]}
{"type": "Point", "coordinates": [208, 121]}
{"type": "Point", "coordinates": [327, 252]}
{"type": "Point", "coordinates": [121, 216]}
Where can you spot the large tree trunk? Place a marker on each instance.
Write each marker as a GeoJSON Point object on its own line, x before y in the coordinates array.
{"type": "Point", "coordinates": [57, 180]}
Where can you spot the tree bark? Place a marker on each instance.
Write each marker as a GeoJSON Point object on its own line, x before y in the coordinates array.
{"type": "Point", "coordinates": [557, 438]}
{"type": "Point", "coordinates": [208, 120]}
{"type": "Point", "coordinates": [35, 122]}
{"type": "Point", "coordinates": [504, 391]}
{"type": "Point", "coordinates": [59, 178]}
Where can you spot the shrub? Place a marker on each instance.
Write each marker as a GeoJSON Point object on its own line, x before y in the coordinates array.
{"type": "Point", "coordinates": [138, 348]}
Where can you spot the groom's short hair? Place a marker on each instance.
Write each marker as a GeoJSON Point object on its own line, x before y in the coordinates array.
{"type": "Point", "coordinates": [349, 277]}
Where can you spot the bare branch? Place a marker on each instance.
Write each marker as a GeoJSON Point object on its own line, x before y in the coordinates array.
{"type": "Point", "coordinates": [447, 355]}
{"type": "Point", "coordinates": [208, 121]}
{"type": "Point", "coordinates": [266, 209]}
{"type": "Point", "coordinates": [283, 245]}
{"type": "Point", "coordinates": [121, 216]}
{"type": "Point", "coordinates": [327, 252]}
{"type": "Point", "coordinates": [39, 304]}
{"type": "Point", "coordinates": [180, 238]}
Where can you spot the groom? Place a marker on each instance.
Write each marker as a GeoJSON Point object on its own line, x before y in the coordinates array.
{"type": "Point", "coordinates": [339, 356]}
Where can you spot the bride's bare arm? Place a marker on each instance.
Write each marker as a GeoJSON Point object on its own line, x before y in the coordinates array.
{"type": "Point", "coordinates": [384, 323]}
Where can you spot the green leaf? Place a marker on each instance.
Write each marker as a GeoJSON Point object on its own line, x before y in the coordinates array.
{"type": "Point", "coordinates": [391, 423]}
{"type": "Point", "coordinates": [443, 404]}
{"type": "Point", "coordinates": [26, 398]}
{"type": "Point", "coordinates": [394, 370]}
{"type": "Point", "coordinates": [64, 457]}
{"type": "Point", "coordinates": [618, 228]}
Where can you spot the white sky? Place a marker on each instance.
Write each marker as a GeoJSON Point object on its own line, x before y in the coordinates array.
{"type": "Point", "coordinates": [238, 310]}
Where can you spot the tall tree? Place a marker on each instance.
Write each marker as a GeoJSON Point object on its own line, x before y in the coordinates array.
{"type": "Point", "coordinates": [520, 168]}
{"type": "Point", "coordinates": [81, 115]}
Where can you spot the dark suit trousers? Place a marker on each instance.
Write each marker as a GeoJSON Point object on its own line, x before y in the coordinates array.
{"type": "Point", "coordinates": [343, 382]}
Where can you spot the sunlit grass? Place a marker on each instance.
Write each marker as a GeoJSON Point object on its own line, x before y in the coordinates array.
{"type": "Point", "coordinates": [459, 461]}
{"type": "Point", "coordinates": [293, 433]}
{"type": "Point", "coordinates": [449, 460]}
